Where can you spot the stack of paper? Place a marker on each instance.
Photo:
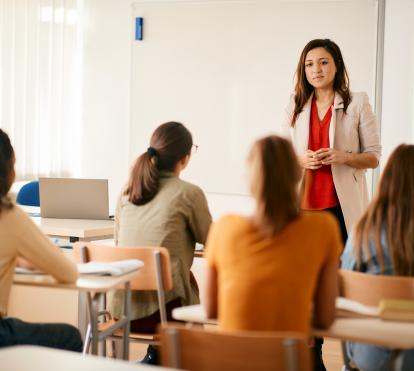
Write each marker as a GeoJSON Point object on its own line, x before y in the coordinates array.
{"type": "Point", "coordinates": [114, 268]}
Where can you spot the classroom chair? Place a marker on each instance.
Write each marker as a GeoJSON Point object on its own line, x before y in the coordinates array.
{"type": "Point", "coordinates": [199, 349]}
{"type": "Point", "coordinates": [154, 275]}
{"type": "Point", "coordinates": [370, 289]}
{"type": "Point", "coordinates": [29, 194]}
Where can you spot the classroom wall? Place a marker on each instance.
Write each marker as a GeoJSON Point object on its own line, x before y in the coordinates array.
{"type": "Point", "coordinates": [398, 93]}
{"type": "Point", "coordinates": [106, 92]}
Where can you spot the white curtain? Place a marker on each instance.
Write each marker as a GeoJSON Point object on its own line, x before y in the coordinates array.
{"type": "Point", "coordinates": [40, 84]}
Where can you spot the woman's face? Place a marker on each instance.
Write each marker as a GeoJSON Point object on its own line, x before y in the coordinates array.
{"type": "Point", "coordinates": [320, 68]}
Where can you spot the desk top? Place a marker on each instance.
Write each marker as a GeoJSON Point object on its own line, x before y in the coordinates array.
{"type": "Point", "coordinates": [33, 358]}
{"type": "Point", "coordinates": [81, 228]}
{"type": "Point", "coordinates": [391, 334]}
{"type": "Point", "coordinates": [84, 283]}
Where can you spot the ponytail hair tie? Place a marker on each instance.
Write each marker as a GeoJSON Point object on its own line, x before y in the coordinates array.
{"type": "Point", "coordinates": [152, 151]}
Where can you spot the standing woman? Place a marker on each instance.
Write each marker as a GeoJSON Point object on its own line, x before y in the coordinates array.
{"type": "Point", "coordinates": [157, 208]}
{"type": "Point", "coordinates": [334, 133]}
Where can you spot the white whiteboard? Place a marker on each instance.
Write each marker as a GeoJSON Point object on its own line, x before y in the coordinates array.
{"type": "Point", "coordinates": [225, 69]}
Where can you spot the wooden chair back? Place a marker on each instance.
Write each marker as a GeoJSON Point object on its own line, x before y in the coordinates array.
{"type": "Point", "coordinates": [146, 277]}
{"type": "Point", "coordinates": [370, 289]}
{"type": "Point", "coordinates": [197, 349]}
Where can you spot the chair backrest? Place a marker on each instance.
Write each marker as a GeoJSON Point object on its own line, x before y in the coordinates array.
{"type": "Point", "coordinates": [146, 277]}
{"type": "Point", "coordinates": [369, 289]}
{"type": "Point", "coordinates": [29, 194]}
{"type": "Point", "coordinates": [197, 349]}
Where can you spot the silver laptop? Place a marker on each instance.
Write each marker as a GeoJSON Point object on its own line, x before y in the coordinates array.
{"type": "Point", "coordinates": [69, 198]}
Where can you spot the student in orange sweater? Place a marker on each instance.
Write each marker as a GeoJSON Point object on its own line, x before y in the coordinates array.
{"type": "Point", "coordinates": [267, 271]}
{"type": "Point", "coordinates": [22, 241]}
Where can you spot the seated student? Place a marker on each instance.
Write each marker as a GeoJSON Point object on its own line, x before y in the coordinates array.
{"type": "Point", "coordinates": [157, 208]}
{"type": "Point", "coordinates": [20, 238]}
{"type": "Point", "coordinates": [383, 243]}
{"type": "Point", "coordinates": [266, 271]}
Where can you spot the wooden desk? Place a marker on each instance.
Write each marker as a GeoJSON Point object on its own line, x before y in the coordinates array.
{"type": "Point", "coordinates": [74, 229]}
{"type": "Point", "coordinates": [95, 287]}
{"type": "Point", "coordinates": [391, 334]}
{"type": "Point", "coordinates": [31, 358]}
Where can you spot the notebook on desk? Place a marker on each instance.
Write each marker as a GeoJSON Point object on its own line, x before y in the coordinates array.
{"type": "Point", "coordinates": [70, 198]}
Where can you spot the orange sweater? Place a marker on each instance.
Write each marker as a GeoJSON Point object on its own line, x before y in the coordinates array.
{"type": "Point", "coordinates": [269, 284]}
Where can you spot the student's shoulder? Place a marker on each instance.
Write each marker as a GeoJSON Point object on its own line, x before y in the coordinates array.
{"type": "Point", "coordinates": [188, 189]}
{"type": "Point", "coordinates": [233, 223]}
{"type": "Point", "coordinates": [14, 214]}
{"type": "Point", "coordinates": [14, 219]}
{"type": "Point", "coordinates": [319, 220]}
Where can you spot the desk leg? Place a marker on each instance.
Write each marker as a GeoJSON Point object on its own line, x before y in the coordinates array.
{"type": "Point", "coordinates": [127, 314]}
{"type": "Point", "coordinates": [93, 306]}
{"type": "Point", "coordinates": [82, 314]}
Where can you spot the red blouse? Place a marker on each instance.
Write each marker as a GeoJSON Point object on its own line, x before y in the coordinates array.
{"type": "Point", "coordinates": [319, 192]}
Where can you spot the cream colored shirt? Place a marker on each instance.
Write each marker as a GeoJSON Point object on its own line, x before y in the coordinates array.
{"type": "Point", "coordinates": [176, 218]}
{"type": "Point", "coordinates": [20, 237]}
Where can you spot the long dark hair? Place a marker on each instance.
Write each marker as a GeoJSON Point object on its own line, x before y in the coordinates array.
{"type": "Point", "coordinates": [392, 210]}
{"type": "Point", "coordinates": [303, 89]}
{"type": "Point", "coordinates": [169, 144]}
{"type": "Point", "coordinates": [274, 179]}
{"type": "Point", "coordinates": [6, 167]}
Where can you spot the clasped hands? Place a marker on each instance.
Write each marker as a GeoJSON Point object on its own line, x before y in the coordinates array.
{"type": "Point", "coordinates": [313, 160]}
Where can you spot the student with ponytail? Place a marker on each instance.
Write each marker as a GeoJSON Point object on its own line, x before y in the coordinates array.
{"type": "Point", "coordinates": [157, 208]}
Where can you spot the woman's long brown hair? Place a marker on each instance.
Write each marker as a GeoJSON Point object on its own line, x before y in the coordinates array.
{"type": "Point", "coordinates": [6, 167]}
{"type": "Point", "coordinates": [303, 89]}
{"type": "Point", "coordinates": [391, 211]}
{"type": "Point", "coordinates": [275, 174]}
{"type": "Point", "coordinates": [169, 144]}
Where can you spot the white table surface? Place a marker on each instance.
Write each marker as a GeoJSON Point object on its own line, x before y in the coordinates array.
{"type": "Point", "coordinates": [392, 334]}
{"type": "Point", "coordinates": [86, 229]}
{"type": "Point", "coordinates": [84, 283]}
{"type": "Point", "coordinates": [32, 358]}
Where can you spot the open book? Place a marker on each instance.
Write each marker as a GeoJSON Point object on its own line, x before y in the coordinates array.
{"type": "Point", "coordinates": [351, 308]}
{"type": "Point", "coordinates": [114, 268]}
{"type": "Point", "coordinates": [388, 309]}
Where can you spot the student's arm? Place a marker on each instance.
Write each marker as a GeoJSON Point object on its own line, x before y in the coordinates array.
{"type": "Point", "coordinates": [116, 224]}
{"type": "Point", "coordinates": [325, 296]}
{"type": "Point", "coordinates": [327, 286]}
{"type": "Point", "coordinates": [348, 258]}
{"type": "Point", "coordinates": [211, 289]}
{"type": "Point", "coordinates": [199, 216]}
{"type": "Point", "coordinates": [36, 248]}
{"type": "Point", "coordinates": [210, 298]}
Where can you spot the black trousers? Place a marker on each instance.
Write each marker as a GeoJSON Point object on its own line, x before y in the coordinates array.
{"type": "Point", "coordinates": [62, 336]}
{"type": "Point", "coordinates": [337, 213]}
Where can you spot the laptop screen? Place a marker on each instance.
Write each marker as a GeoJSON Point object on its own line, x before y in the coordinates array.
{"type": "Point", "coordinates": [70, 198]}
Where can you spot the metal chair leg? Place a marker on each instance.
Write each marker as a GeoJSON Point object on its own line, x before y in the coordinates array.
{"type": "Point", "coordinates": [87, 343]}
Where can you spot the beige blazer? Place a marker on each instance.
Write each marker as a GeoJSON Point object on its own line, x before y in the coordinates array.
{"type": "Point", "coordinates": [356, 131]}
